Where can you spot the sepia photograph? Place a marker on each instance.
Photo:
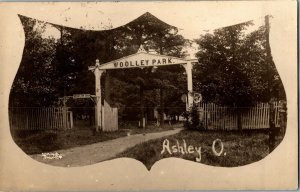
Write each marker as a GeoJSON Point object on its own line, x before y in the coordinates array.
{"type": "Point", "coordinates": [148, 83]}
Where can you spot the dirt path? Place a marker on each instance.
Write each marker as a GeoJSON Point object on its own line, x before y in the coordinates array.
{"type": "Point", "coordinates": [94, 153]}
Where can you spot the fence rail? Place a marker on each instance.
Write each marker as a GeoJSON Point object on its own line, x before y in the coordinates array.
{"type": "Point", "coordinates": [215, 117]}
{"type": "Point", "coordinates": [40, 118]}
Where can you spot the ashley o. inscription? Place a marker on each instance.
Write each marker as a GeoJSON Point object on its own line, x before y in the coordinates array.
{"type": "Point", "coordinates": [185, 149]}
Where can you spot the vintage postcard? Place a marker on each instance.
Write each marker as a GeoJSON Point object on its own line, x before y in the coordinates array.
{"type": "Point", "coordinates": [162, 95]}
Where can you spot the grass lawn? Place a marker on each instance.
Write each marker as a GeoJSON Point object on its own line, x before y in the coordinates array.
{"type": "Point", "coordinates": [239, 148]}
{"type": "Point", "coordinates": [37, 142]}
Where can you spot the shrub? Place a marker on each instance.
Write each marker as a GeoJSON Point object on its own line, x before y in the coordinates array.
{"type": "Point", "coordinates": [192, 119]}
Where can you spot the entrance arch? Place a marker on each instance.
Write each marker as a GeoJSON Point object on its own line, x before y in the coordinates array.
{"type": "Point", "coordinates": [140, 59]}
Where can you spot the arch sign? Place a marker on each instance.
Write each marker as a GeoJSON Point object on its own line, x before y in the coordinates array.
{"type": "Point", "coordinates": [140, 59]}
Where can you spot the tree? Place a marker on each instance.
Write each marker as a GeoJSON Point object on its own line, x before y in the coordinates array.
{"type": "Point", "coordinates": [236, 68]}
{"type": "Point", "coordinates": [233, 68]}
{"type": "Point", "coordinates": [33, 85]}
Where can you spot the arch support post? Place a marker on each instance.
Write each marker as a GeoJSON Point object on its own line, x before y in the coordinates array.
{"type": "Point", "coordinates": [188, 69]}
{"type": "Point", "coordinates": [98, 105]}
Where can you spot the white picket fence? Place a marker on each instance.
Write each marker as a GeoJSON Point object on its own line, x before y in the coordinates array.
{"type": "Point", "coordinates": [47, 118]}
{"type": "Point", "coordinates": [40, 118]}
{"type": "Point", "coordinates": [215, 117]}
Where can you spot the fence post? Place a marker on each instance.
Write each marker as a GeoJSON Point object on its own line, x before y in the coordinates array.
{"type": "Point", "coordinates": [71, 120]}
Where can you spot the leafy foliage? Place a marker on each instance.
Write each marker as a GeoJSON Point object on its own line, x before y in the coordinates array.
{"type": "Point", "coordinates": [192, 119]}
{"type": "Point", "coordinates": [69, 56]}
{"type": "Point", "coordinates": [33, 83]}
{"type": "Point", "coordinates": [234, 69]}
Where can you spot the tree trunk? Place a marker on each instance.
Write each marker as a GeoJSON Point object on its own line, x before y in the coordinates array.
{"type": "Point", "coordinates": [161, 111]}
{"type": "Point", "coordinates": [61, 35]}
{"type": "Point", "coordinates": [142, 106]}
{"type": "Point", "coordinates": [161, 94]}
{"type": "Point", "coordinates": [268, 48]}
{"type": "Point", "coordinates": [269, 60]}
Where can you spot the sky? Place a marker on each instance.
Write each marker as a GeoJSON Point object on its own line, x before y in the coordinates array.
{"type": "Point", "coordinates": [192, 18]}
